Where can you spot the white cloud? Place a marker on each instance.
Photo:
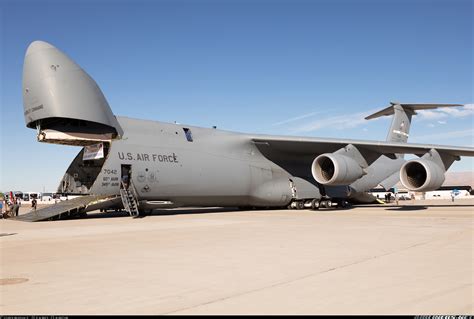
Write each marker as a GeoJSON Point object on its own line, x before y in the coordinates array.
{"type": "Point", "coordinates": [442, 113]}
{"type": "Point", "coordinates": [431, 115]}
{"type": "Point", "coordinates": [349, 121]}
{"type": "Point", "coordinates": [296, 118]}
{"type": "Point", "coordinates": [467, 136]}
{"type": "Point", "coordinates": [466, 110]}
{"type": "Point", "coordinates": [339, 122]}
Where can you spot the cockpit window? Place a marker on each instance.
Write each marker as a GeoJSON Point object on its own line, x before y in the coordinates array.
{"type": "Point", "coordinates": [189, 135]}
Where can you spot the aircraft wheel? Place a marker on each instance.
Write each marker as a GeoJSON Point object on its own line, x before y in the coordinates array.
{"type": "Point", "coordinates": [315, 204]}
{"type": "Point", "coordinates": [144, 212]}
{"type": "Point", "coordinates": [82, 214]}
{"type": "Point", "coordinates": [325, 204]}
{"type": "Point", "coordinates": [345, 204]}
{"type": "Point", "coordinates": [293, 205]}
{"type": "Point", "coordinates": [300, 205]}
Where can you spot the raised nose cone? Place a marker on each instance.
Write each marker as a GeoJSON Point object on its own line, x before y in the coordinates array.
{"type": "Point", "coordinates": [37, 46]}
{"type": "Point", "coordinates": [56, 89]}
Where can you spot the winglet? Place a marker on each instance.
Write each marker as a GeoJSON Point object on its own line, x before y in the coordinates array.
{"type": "Point", "coordinates": [409, 108]}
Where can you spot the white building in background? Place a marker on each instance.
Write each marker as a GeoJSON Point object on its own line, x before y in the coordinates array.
{"type": "Point", "coordinates": [459, 184]}
{"type": "Point", "coordinates": [446, 194]}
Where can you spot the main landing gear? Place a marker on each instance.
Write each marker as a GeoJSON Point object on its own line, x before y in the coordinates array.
{"type": "Point", "coordinates": [316, 204]}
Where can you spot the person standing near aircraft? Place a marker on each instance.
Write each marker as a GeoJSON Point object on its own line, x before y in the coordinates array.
{"type": "Point", "coordinates": [33, 203]}
{"type": "Point", "coordinates": [125, 181]}
{"type": "Point", "coordinates": [2, 203]}
{"type": "Point", "coordinates": [16, 209]}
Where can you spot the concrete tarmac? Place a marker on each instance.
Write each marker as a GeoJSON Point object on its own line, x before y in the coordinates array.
{"type": "Point", "coordinates": [412, 259]}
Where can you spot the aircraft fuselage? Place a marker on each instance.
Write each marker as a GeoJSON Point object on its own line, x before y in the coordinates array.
{"type": "Point", "coordinates": [209, 167]}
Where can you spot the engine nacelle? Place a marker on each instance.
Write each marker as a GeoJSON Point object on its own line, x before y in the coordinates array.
{"type": "Point", "coordinates": [336, 169]}
{"type": "Point", "coordinates": [422, 175]}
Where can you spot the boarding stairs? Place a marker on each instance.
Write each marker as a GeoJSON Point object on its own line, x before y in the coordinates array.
{"type": "Point", "coordinates": [129, 199]}
{"type": "Point", "coordinates": [69, 208]}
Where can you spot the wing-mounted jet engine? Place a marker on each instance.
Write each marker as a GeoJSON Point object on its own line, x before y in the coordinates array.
{"type": "Point", "coordinates": [426, 173]}
{"type": "Point", "coordinates": [62, 101]}
{"type": "Point", "coordinates": [342, 167]}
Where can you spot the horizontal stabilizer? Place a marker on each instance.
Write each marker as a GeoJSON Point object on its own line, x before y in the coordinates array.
{"type": "Point", "coordinates": [411, 108]}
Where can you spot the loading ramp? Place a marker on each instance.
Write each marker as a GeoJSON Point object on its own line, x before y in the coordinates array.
{"type": "Point", "coordinates": [71, 207]}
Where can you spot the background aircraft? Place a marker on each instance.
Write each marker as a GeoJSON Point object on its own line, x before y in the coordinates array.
{"type": "Point", "coordinates": [143, 164]}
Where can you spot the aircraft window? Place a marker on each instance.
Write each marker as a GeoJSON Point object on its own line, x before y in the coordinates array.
{"type": "Point", "coordinates": [189, 135]}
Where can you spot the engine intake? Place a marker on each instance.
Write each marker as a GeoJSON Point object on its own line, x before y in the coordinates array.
{"type": "Point", "coordinates": [335, 169]}
{"type": "Point", "coordinates": [421, 175]}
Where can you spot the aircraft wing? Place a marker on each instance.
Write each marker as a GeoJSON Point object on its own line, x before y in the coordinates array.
{"type": "Point", "coordinates": [316, 146]}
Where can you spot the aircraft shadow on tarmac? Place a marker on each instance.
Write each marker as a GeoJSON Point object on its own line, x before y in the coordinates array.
{"type": "Point", "coordinates": [408, 208]}
{"type": "Point", "coordinates": [218, 210]}
{"type": "Point", "coordinates": [421, 207]}
{"type": "Point", "coordinates": [7, 234]}
{"type": "Point", "coordinates": [157, 212]}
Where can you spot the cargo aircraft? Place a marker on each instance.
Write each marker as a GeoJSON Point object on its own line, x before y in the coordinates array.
{"type": "Point", "coordinates": [140, 165]}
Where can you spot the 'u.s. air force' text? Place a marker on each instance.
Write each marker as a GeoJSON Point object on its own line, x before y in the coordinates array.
{"type": "Point", "coordinates": [167, 158]}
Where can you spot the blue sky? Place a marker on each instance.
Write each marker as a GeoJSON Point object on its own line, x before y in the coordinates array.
{"type": "Point", "coordinates": [308, 68]}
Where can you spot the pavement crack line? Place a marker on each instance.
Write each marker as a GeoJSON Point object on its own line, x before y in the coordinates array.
{"type": "Point", "coordinates": [282, 283]}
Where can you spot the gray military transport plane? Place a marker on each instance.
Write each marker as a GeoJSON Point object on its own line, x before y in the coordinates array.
{"type": "Point", "coordinates": [140, 165]}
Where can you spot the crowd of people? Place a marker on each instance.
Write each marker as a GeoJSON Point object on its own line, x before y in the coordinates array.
{"type": "Point", "coordinates": [10, 205]}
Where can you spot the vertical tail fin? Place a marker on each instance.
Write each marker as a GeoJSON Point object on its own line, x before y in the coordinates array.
{"type": "Point", "coordinates": [402, 114]}
{"type": "Point", "coordinates": [401, 122]}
